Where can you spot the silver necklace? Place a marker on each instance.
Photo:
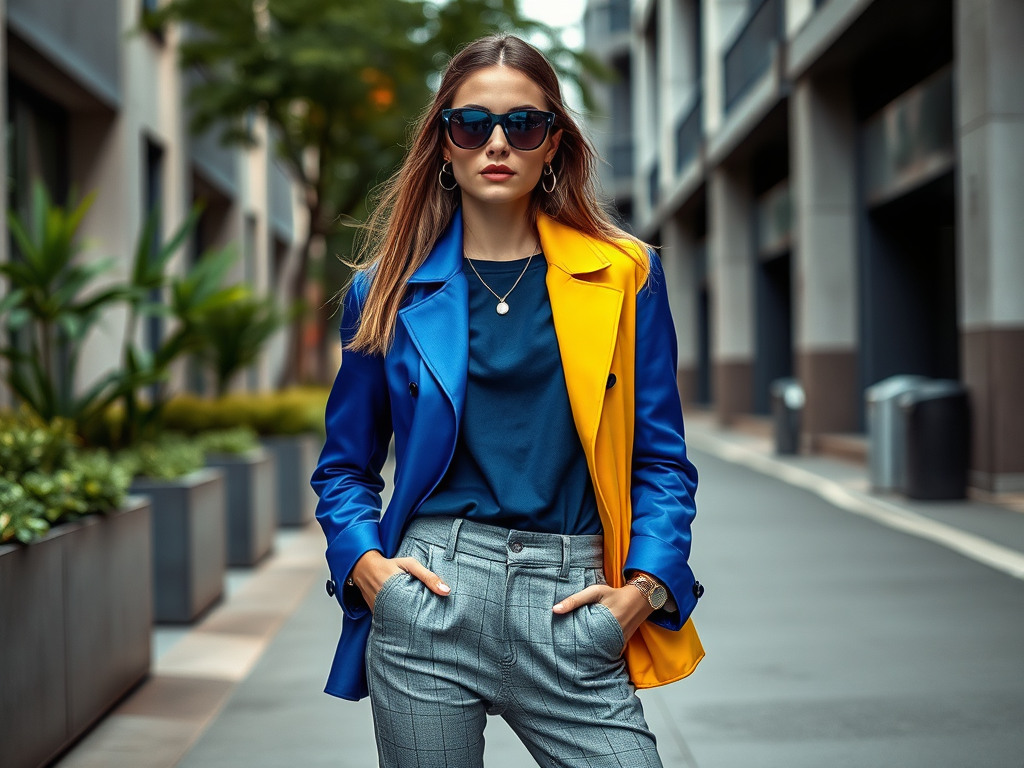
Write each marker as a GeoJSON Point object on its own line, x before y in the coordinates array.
{"type": "Point", "coordinates": [502, 308]}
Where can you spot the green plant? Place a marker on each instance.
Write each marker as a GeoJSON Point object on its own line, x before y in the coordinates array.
{"type": "Point", "coordinates": [102, 481]}
{"type": "Point", "coordinates": [289, 412]}
{"type": "Point", "coordinates": [236, 440]}
{"type": "Point", "coordinates": [192, 297]}
{"type": "Point", "coordinates": [169, 456]}
{"type": "Point", "coordinates": [21, 516]}
{"type": "Point", "coordinates": [235, 334]}
{"type": "Point", "coordinates": [30, 444]}
{"type": "Point", "coordinates": [45, 479]}
{"type": "Point", "coordinates": [51, 305]}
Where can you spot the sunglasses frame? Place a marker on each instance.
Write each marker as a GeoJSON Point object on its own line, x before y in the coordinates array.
{"type": "Point", "coordinates": [502, 120]}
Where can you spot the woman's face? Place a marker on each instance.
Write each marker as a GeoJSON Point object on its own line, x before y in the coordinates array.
{"type": "Point", "coordinates": [497, 172]}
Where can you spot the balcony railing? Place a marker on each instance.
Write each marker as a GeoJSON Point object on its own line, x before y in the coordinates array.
{"type": "Point", "coordinates": [689, 134]}
{"type": "Point", "coordinates": [751, 52]}
{"type": "Point", "coordinates": [620, 157]}
{"type": "Point", "coordinates": [911, 140]}
{"type": "Point", "coordinates": [774, 217]}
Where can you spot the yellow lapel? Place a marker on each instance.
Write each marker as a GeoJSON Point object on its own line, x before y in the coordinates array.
{"type": "Point", "coordinates": [585, 308]}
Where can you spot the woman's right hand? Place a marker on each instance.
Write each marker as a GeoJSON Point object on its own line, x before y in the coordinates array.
{"type": "Point", "coordinates": [373, 569]}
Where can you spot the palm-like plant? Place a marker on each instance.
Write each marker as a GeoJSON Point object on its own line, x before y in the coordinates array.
{"type": "Point", "coordinates": [192, 297]}
{"type": "Point", "coordinates": [47, 315]}
{"type": "Point", "coordinates": [53, 302]}
{"type": "Point", "coordinates": [235, 334]}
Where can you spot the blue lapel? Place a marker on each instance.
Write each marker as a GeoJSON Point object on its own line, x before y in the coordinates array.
{"type": "Point", "coordinates": [438, 324]}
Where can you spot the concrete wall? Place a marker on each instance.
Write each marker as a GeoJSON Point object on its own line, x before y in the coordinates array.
{"type": "Point", "coordinates": [731, 267]}
{"type": "Point", "coordinates": [678, 259]}
{"type": "Point", "coordinates": [823, 174]}
{"type": "Point", "coordinates": [990, 123]}
{"type": "Point", "coordinates": [81, 37]}
{"type": "Point", "coordinates": [722, 20]}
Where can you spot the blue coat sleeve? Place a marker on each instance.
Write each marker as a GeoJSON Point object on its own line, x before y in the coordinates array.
{"type": "Point", "coordinates": [347, 477]}
{"type": "Point", "coordinates": [664, 482]}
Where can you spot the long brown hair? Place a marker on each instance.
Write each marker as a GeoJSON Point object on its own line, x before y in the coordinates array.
{"type": "Point", "coordinates": [413, 209]}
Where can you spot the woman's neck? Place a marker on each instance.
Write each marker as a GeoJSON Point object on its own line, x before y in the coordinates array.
{"type": "Point", "coordinates": [498, 232]}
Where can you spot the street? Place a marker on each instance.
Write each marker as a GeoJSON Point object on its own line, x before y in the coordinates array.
{"type": "Point", "coordinates": [831, 641]}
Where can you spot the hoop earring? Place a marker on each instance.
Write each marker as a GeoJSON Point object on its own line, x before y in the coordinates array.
{"type": "Point", "coordinates": [441, 173]}
{"type": "Point", "coordinates": [549, 171]}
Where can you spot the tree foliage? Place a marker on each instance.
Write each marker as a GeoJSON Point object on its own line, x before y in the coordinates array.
{"type": "Point", "coordinates": [338, 80]}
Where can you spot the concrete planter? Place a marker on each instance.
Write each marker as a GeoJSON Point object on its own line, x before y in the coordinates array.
{"type": "Point", "coordinates": [251, 485]}
{"type": "Point", "coordinates": [189, 524]}
{"type": "Point", "coordinates": [296, 457]}
{"type": "Point", "coordinates": [76, 612]}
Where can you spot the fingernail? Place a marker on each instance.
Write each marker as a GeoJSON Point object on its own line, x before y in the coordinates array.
{"type": "Point", "coordinates": [558, 607]}
{"type": "Point", "coordinates": [444, 587]}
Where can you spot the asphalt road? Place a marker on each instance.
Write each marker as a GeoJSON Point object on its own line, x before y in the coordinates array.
{"type": "Point", "coordinates": [831, 641]}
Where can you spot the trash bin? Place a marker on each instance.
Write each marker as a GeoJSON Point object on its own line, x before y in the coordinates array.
{"type": "Point", "coordinates": [936, 418]}
{"type": "Point", "coordinates": [787, 407]}
{"type": "Point", "coordinates": [885, 430]}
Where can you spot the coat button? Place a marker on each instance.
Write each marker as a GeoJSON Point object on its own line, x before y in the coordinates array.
{"type": "Point", "coordinates": [611, 381]}
{"type": "Point", "coordinates": [413, 389]}
{"type": "Point", "coordinates": [698, 589]}
{"type": "Point", "coordinates": [516, 546]}
{"type": "Point", "coordinates": [331, 587]}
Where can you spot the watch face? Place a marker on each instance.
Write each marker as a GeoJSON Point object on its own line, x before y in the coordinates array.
{"type": "Point", "coordinates": [658, 597]}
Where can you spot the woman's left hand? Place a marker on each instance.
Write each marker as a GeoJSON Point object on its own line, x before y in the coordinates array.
{"type": "Point", "coordinates": [627, 604]}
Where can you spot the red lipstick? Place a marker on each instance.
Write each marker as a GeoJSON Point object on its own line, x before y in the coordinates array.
{"type": "Point", "coordinates": [495, 172]}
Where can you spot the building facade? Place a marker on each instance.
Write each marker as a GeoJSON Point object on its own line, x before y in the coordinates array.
{"type": "Point", "coordinates": [836, 186]}
{"type": "Point", "coordinates": [91, 105]}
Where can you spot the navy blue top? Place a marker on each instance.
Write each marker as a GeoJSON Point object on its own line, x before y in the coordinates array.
{"type": "Point", "coordinates": [518, 459]}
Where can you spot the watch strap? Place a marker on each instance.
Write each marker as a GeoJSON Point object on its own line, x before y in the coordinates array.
{"type": "Point", "coordinates": [646, 584]}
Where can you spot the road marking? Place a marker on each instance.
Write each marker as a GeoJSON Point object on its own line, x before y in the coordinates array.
{"type": "Point", "coordinates": [979, 549]}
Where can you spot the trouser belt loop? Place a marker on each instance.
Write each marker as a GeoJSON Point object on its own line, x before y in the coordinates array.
{"type": "Point", "coordinates": [564, 573]}
{"type": "Point", "coordinates": [453, 537]}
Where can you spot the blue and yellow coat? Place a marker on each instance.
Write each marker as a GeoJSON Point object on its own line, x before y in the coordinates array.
{"type": "Point", "coordinates": [618, 349]}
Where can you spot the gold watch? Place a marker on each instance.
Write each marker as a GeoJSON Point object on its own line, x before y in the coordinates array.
{"type": "Point", "coordinates": [655, 593]}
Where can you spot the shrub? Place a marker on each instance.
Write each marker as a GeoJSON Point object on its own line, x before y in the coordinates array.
{"type": "Point", "coordinates": [28, 443]}
{"type": "Point", "coordinates": [237, 440]}
{"type": "Point", "coordinates": [21, 516]}
{"type": "Point", "coordinates": [288, 412]}
{"type": "Point", "coordinates": [45, 479]}
{"type": "Point", "coordinates": [170, 456]}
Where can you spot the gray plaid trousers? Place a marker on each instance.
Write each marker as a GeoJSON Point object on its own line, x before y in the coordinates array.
{"type": "Point", "coordinates": [437, 666]}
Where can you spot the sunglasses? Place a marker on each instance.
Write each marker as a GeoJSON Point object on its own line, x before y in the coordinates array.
{"type": "Point", "coordinates": [470, 128]}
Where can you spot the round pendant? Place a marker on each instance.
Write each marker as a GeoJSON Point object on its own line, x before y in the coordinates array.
{"type": "Point", "coordinates": [502, 308]}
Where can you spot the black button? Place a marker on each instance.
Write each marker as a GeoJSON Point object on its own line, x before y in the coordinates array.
{"type": "Point", "coordinates": [413, 389]}
{"type": "Point", "coordinates": [516, 546]}
{"type": "Point", "coordinates": [331, 587]}
{"type": "Point", "coordinates": [611, 381]}
{"type": "Point", "coordinates": [698, 589]}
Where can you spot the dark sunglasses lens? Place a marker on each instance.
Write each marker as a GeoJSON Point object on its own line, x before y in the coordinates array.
{"type": "Point", "coordinates": [526, 130]}
{"type": "Point", "coordinates": [469, 129]}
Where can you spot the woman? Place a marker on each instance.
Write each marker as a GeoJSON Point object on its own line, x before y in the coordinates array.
{"type": "Point", "coordinates": [532, 561]}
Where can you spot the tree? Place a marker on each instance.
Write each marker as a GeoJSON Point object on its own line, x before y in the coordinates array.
{"type": "Point", "coordinates": [338, 82]}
